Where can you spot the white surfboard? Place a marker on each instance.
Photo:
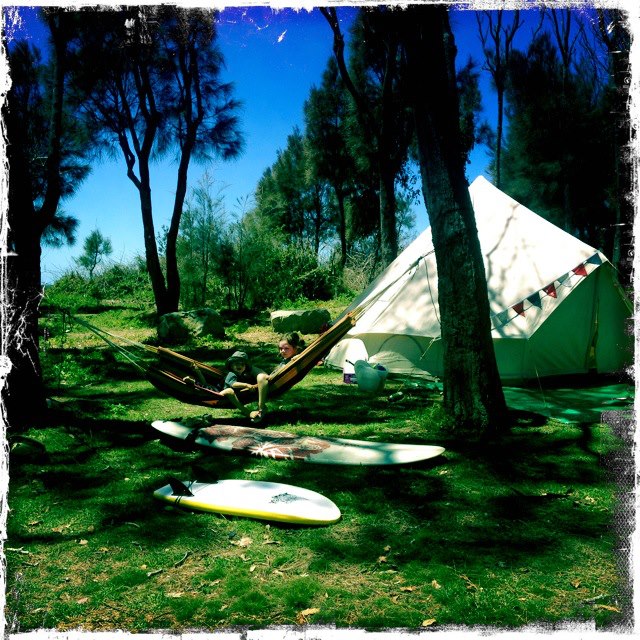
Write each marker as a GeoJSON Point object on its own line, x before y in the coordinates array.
{"type": "Point", "coordinates": [252, 499]}
{"type": "Point", "coordinates": [280, 445]}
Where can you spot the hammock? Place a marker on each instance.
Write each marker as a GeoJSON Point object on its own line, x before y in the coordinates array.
{"type": "Point", "coordinates": [197, 383]}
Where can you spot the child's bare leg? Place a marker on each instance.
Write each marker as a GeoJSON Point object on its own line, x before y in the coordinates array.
{"type": "Point", "coordinates": [263, 392]}
{"type": "Point", "coordinates": [231, 396]}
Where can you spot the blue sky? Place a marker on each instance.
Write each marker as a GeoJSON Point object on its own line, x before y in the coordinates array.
{"type": "Point", "coordinates": [273, 57]}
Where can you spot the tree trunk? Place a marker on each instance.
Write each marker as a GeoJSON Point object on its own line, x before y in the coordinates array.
{"type": "Point", "coordinates": [154, 268]}
{"type": "Point", "coordinates": [499, 136]}
{"type": "Point", "coordinates": [23, 396]}
{"type": "Point", "coordinates": [623, 243]}
{"type": "Point", "coordinates": [342, 226]}
{"type": "Point", "coordinates": [473, 396]}
{"type": "Point", "coordinates": [388, 231]}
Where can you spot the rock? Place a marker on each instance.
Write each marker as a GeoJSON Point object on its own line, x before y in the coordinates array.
{"type": "Point", "coordinates": [180, 326]}
{"type": "Point", "coordinates": [302, 321]}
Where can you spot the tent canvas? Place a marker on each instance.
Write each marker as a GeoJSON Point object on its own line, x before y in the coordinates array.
{"type": "Point", "coordinates": [556, 305]}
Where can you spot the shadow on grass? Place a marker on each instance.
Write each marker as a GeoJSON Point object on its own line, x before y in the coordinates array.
{"type": "Point", "coordinates": [479, 503]}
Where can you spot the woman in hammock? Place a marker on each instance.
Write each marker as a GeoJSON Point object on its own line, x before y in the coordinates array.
{"type": "Point", "coordinates": [289, 347]}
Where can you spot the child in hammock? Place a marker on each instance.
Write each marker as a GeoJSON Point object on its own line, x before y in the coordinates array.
{"type": "Point", "coordinates": [289, 348]}
{"type": "Point", "coordinates": [242, 375]}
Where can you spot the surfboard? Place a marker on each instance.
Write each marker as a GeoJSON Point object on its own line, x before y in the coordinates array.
{"type": "Point", "coordinates": [280, 445]}
{"type": "Point", "coordinates": [252, 499]}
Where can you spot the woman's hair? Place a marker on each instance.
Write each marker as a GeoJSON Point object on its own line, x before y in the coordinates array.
{"type": "Point", "coordinates": [294, 340]}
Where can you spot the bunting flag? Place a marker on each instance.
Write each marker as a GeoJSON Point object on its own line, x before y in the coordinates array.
{"type": "Point", "coordinates": [519, 308]}
{"type": "Point", "coordinates": [580, 270]}
{"type": "Point", "coordinates": [503, 317]}
{"type": "Point", "coordinates": [535, 300]}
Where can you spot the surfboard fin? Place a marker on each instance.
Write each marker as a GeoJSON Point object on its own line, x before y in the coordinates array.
{"type": "Point", "coordinates": [179, 488]}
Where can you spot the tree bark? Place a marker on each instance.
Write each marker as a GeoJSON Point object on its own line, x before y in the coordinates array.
{"type": "Point", "coordinates": [342, 227]}
{"type": "Point", "coordinates": [388, 231]}
{"type": "Point", "coordinates": [473, 396]}
{"type": "Point", "coordinates": [617, 42]}
{"type": "Point", "coordinates": [23, 395]}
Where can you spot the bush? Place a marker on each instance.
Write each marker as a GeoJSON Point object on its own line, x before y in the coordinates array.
{"type": "Point", "coordinates": [128, 281]}
{"type": "Point", "coordinates": [68, 292]}
{"type": "Point", "coordinates": [125, 283]}
{"type": "Point", "coordinates": [294, 273]}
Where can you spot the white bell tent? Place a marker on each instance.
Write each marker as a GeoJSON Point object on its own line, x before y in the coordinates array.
{"type": "Point", "coordinates": [555, 302]}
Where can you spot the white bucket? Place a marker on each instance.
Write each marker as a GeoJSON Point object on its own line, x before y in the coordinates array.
{"type": "Point", "coordinates": [370, 378]}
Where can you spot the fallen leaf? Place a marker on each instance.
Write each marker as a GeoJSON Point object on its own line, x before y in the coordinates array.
{"type": "Point", "coordinates": [251, 470]}
{"type": "Point", "coordinates": [175, 594]}
{"type": "Point", "coordinates": [277, 572]}
{"type": "Point", "coordinates": [301, 618]}
{"type": "Point", "coordinates": [606, 607]}
{"type": "Point", "coordinates": [252, 568]}
{"type": "Point", "coordinates": [245, 541]}
{"type": "Point", "coordinates": [61, 528]}
{"type": "Point", "coordinates": [470, 584]}
{"type": "Point", "coordinates": [435, 584]}
{"type": "Point", "coordinates": [34, 523]}
{"type": "Point", "coordinates": [428, 623]}
{"type": "Point", "coordinates": [408, 588]}
{"type": "Point", "coordinates": [394, 599]}
{"type": "Point", "coordinates": [82, 601]}
{"type": "Point", "coordinates": [387, 548]}
{"type": "Point", "coordinates": [576, 583]}
{"type": "Point", "coordinates": [83, 542]}
{"type": "Point", "coordinates": [382, 559]}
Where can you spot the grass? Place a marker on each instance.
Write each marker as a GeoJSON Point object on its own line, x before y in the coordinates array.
{"type": "Point", "coordinates": [519, 533]}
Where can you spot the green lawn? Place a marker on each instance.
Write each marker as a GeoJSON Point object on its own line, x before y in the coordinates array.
{"type": "Point", "coordinates": [515, 533]}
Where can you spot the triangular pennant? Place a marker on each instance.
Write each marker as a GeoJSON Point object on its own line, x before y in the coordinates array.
{"type": "Point", "coordinates": [503, 317]}
{"type": "Point", "coordinates": [550, 290]}
{"type": "Point", "coordinates": [535, 300]}
{"type": "Point", "coordinates": [580, 270]}
{"type": "Point", "coordinates": [595, 259]}
{"type": "Point", "coordinates": [519, 308]}
{"type": "Point", "coordinates": [562, 278]}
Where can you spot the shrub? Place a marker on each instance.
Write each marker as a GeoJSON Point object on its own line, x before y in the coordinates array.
{"type": "Point", "coordinates": [127, 283]}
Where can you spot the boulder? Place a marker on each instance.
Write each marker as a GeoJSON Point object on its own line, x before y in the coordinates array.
{"type": "Point", "coordinates": [180, 326]}
{"type": "Point", "coordinates": [302, 321]}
